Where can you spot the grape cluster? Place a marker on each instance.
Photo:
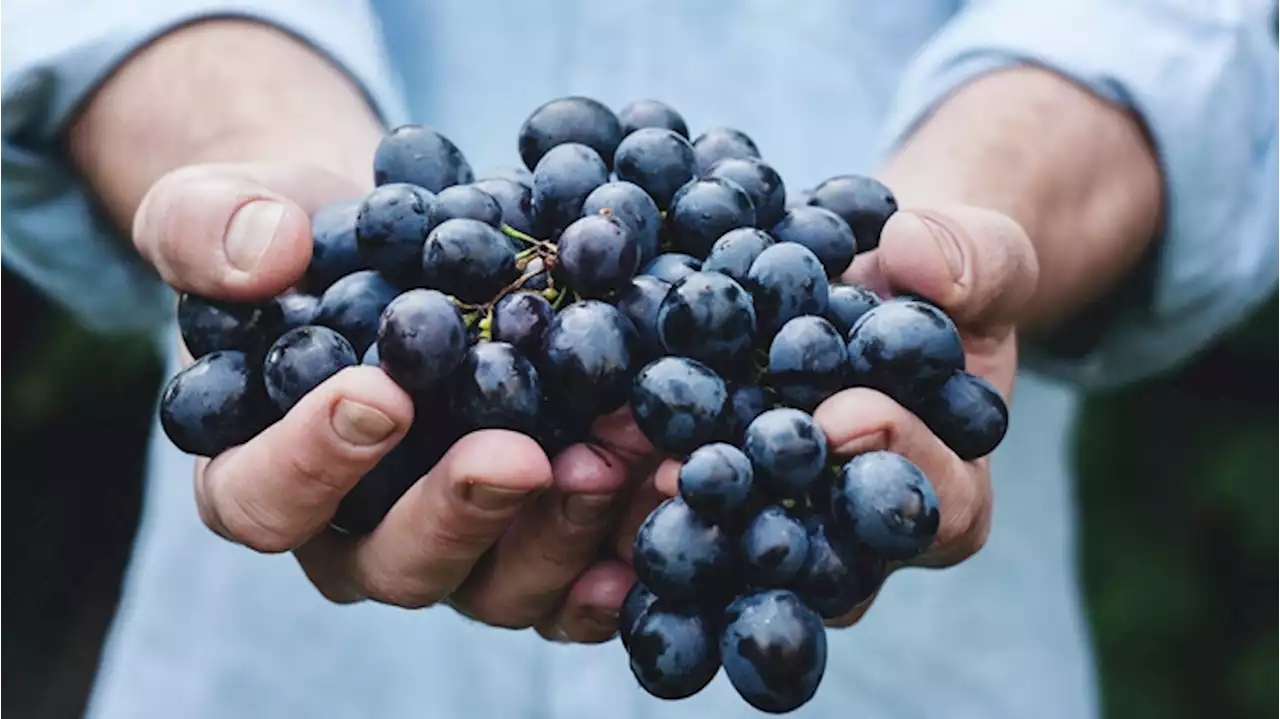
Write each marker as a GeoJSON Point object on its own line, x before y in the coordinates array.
{"type": "Point", "coordinates": [625, 265]}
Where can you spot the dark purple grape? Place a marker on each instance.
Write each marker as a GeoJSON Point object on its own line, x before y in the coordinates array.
{"type": "Point", "coordinates": [562, 180]}
{"type": "Point", "coordinates": [673, 652]}
{"type": "Point", "coordinates": [708, 317]}
{"type": "Point", "coordinates": [421, 339]}
{"type": "Point", "coordinates": [333, 245]}
{"type": "Point", "coordinates": [787, 450]}
{"type": "Point", "coordinates": [214, 404]}
{"type": "Point", "coordinates": [734, 252]}
{"type": "Point", "coordinates": [808, 362]}
{"type": "Point", "coordinates": [862, 202]}
{"type": "Point", "coordinates": [371, 358]}
{"type": "Point", "coordinates": [651, 113]}
{"type": "Point", "coordinates": [515, 199]}
{"type": "Point", "coordinates": [468, 202]}
{"type": "Point", "coordinates": [967, 414]}
{"type": "Point", "coordinates": [719, 143]}
{"type": "Point", "coordinates": [837, 576]}
{"type": "Point", "coordinates": [821, 231]}
{"type": "Point", "coordinates": [300, 360]}
{"type": "Point", "coordinates": [208, 325]}
{"type": "Point", "coordinates": [775, 546]}
{"type": "Point", "coordinates": [496, 387]}
{"type": "Point", "coordinates": [786, 281]}
{"type": "Point", "coordinates": [774, 650]}
{"type": "Point", "coordinates": [884, 503]}
{"type": "Point", "coordinates": [846, 304]}
{"type": "Point", "coordinates": [762, 183]}
{"type": "Point", "coordinates": [677, 403]}
{"type": "Point", "coordinates": [587, 358]}
{"type": "Point", "coordinates": [906, 349]}
{"type": "Point", "coordinates": [715, 481]}
{"type": "Point", "coordinates": [671, 267]}
{"type": "Point", "coordinates": [680, 556]}
{"type": "Point", "coordinates": [469, 260]}
{"type": "Point", "coordinates": [638, 600]}
{"type": "Point", "coordinates": [518, 174]}
{"type": "Point", "coordinates": [746, 402]}
{"type": "Point", "coordinates": [578, 120]}
{"type": "Point", "coordinates": [598, 256]}
{"type": "Point", "coordinates": [631, 206]}
{"type": "Point", "coordinates": [353, 306]}
{"type": "Point", "coordinates": [521, 319]}
{"type": "Point", "coordinates": [420, 156]}
{"type": "Point", "coordinates": [702, 211]}
{"type": "Point", "coordinates": [296, 309]}
{"type": "Point", "coordinates": [639, 302]}
{"type": "Point", "coordinates": [393, 222]}
{"type": "Point", "coordinates": [658, 160]}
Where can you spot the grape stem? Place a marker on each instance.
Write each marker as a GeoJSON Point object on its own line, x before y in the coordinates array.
{"type": "Point", "coordinates": [543, 245]}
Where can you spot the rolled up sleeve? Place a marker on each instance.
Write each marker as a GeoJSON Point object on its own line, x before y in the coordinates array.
{"type": "Point", "coordinates": [56, 52]}
{"type": "Point", "coordinates": [1203, 77]}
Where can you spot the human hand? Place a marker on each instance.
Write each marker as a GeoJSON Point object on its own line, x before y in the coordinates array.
{"type": "Point", "coordinates": [495, 528]}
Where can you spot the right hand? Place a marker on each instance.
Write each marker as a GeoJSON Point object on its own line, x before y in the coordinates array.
{"type": "Point", "coordinates": [539, 524]}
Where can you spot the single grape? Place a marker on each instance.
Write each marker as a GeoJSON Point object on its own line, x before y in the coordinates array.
{"type": "Point", "coordinates": [587, 356]}
{"type": "Point", "coordinates": [821, 231]}
{"type": "Point", "coordinates": [846, 304]}
{"type": "Point", "coordinates": [746, 402]}
{"type": "Point", "coordinates": [673, 652]}
{"type": "Point", "coordinates": [677, 403]}
{"type": "Point", "coordinates": [638, 600]}
{"type": "Point", "coordinates": [296, 309]}
{"type": "Point", "coordinates": [670, 267]}
{"type": "Point", "coordinates": [421, 339]}
{"type": "Point", "coordinates": [633, 207]}
{"type": "Point", "coordinates": [579, 120]}
{"type": "Point", "coordinates": [862, 202]}
{"type": "Point", "coordinates": [651, 113]}
{"type": "Point", "coordinates": [521, 319]}
{"type": "Point", "coordinates": [393, 221]}
{"type": "Point", "coordinates": [786, 281]}
{"type": "Point", "coordinates": [371, 357]}
{"type": "Point", "coordinates": [967, 414]}
{"type": "Point", "coordinates": [708, 317]}
{"type": "Point", "coordinates": [787, 450]}
{"type": "Point", "coordinates": [775, 546]}
{"type": "Point", "coordinates": [808, 362]}
{"type": "Point", "coordinates": [639, 302]}
{"type": "Point", "coordinates": [734, 252]}
{"type": "Point", "coordinates": [353, 304]}
{"type": "Point", "coordinates": [334, 254]}
{"type": "Point", "coordinates": [657, 160]}
{"type": "Point", "coordinates": [208, 325]}
{"type": "Point", "coordinates": [884, 503]}
{"type": "Point", "coordinates": [837, 576]}
{"type": "Point", "coordinates": [904, 348]}
{"type": "Point", "coordinates": [518, 174]}
{"type": "Point", "coordinates": [598, 256]}
{"type": "Point", "coordinates": [469, 260]}
{"type": "Point", "coordinates": [300, 360]}
{"type": "Point", "coordinates": [496, 387]}
{"type": "Point", "coordinates": [703, 210]}
{"type": "Point", "coordinates": [420, 156]}
{"type": "Point", "coordinates": [681, 557]}
{"type": "Point", "coordinates": [715, 481]}
{"type": "Point", "coordinates": [468, 202]}
{"type": "Point", "coordinates": [214, 404]}
{"type": "Point", "coordinates": [562, 180]}
{"type": "Point", "coordinates": [719, 143]}
{"type": "Point", "coordinates": [515, 199]}
{"type": "Point", "coordinates": [774, 650]}
{"type": "Point", "coordinates": [536, 275]}
{"type": "Point", "coordinates": [762, 183]}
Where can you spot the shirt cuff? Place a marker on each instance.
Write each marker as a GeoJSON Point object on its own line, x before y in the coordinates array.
{"type": "Point", "coordinates": [1204, 80]}
{"type": "Point", "coordinates": [55, 56]}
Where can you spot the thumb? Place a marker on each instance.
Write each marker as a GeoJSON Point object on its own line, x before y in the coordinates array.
{"type": "Point", "coordinates": [234, 232]}
{"type": "Point", "coordinates": [976, 264]}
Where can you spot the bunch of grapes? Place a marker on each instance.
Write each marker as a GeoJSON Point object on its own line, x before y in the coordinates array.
{"type": "Point", "coordinates": [625, 264]}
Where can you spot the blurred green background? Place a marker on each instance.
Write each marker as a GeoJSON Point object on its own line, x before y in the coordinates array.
{"type": "Point", "coordinates": [1178, 488]}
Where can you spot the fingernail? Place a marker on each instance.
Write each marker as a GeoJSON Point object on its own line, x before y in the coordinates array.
{"type": "Point", "coordinates": [587, 508]}
{"type": "Point", "coordinates": [493, 498]}
{"type": "Point", "coordinates": [251, 232]}
{"type": "Point", "coordinates": [360, 424]}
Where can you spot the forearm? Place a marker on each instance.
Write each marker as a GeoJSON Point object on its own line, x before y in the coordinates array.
{"type": "Point", "coordinates": [219, 91]}
{"type": "Point", "coordinates": [1077, 173]}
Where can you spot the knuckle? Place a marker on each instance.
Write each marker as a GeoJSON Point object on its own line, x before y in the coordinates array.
{"type": "Point", "coordinates": [401, 590]}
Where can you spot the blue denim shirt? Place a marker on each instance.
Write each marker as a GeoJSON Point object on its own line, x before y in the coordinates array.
{"type": "Point", "coordinates": [207, 629]}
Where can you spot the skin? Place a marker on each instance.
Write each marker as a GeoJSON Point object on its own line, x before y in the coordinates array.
{"type": "Point", "coordinates": [1024, 198]}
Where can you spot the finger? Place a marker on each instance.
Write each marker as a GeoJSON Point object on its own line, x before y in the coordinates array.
{"type": "Point", "coordinates": [281, 487]}
{"type": "Point", "coordinates": [619, 433]}
{"type": "Point", "coordinates": [436, 533]}
{"type": "Point", "coordinates": [643, 499]}
{"type": "Point", "coordinates": [666, 478]}
{"type": "Point", "coordinates": [589, 614]}
{"type": "Point", "coordinates": [862, 420]}
{"type": "Point", "coordinates": [235, 232]}
{"type": "Point", "coordinates": [528, 572]}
